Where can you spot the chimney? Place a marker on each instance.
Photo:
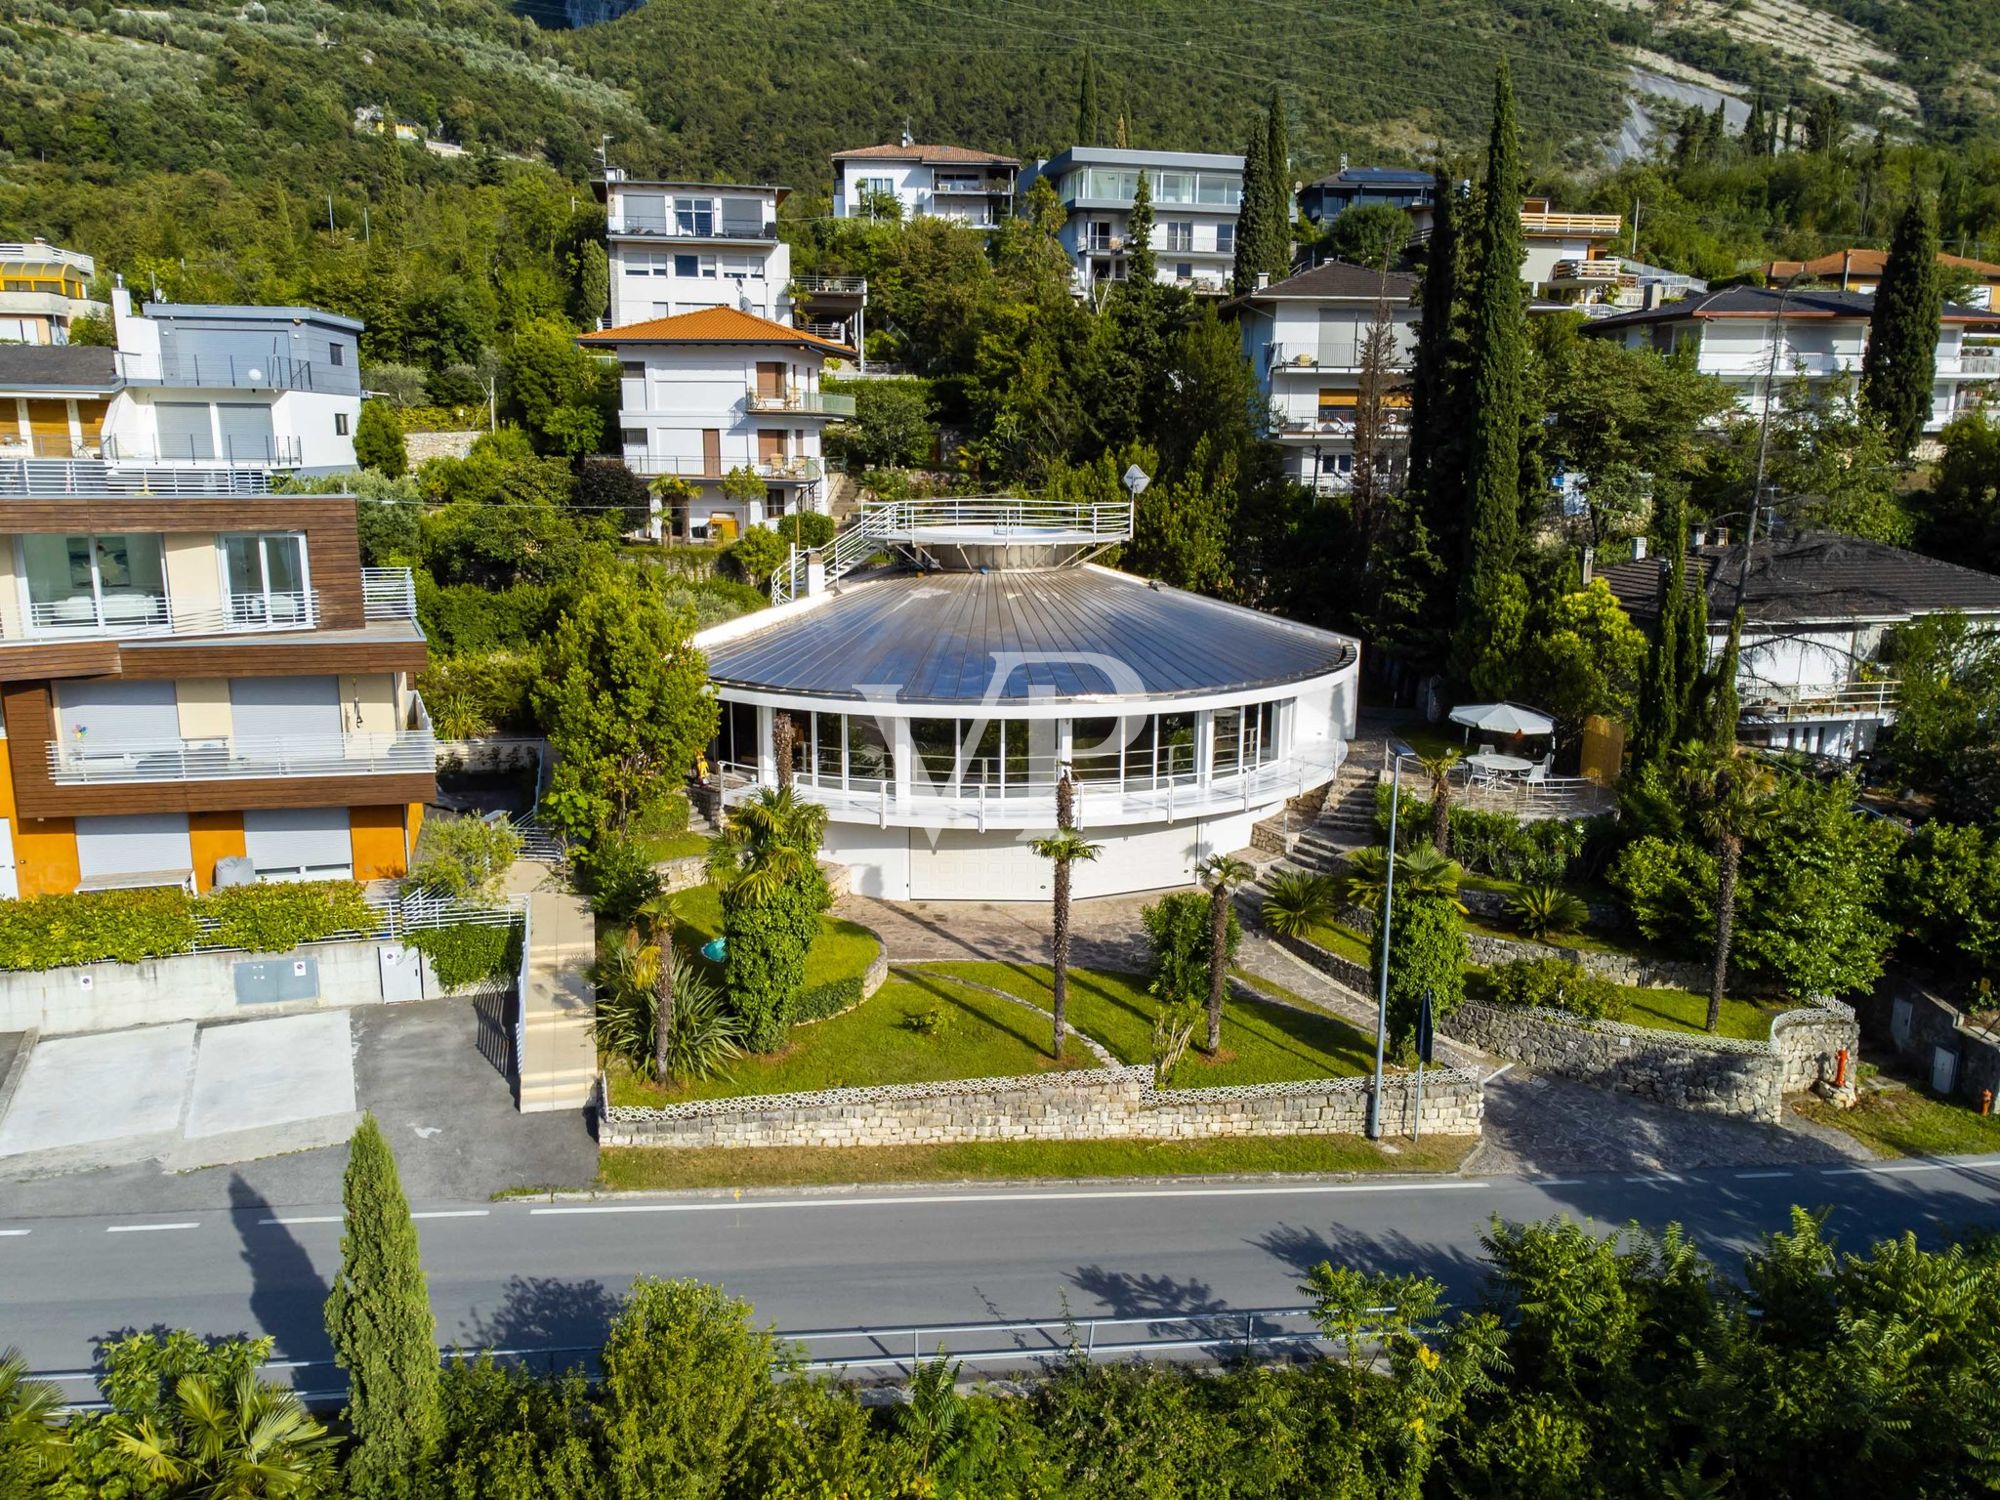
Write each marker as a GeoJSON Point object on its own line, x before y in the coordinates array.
{"type": "Point", "coordinates": [1638, 549]}
{"type": "Point", "coordinates": [1263, 280]}
{"type": "Point", "coordinates": [1846, 260]}
{"type": "Point", "coordinates": [1722, 536]}
{"type": "Point", "coordinates": [1698, 537]}
{"type": "Point", "coordinates": [908, 139]}
{"type": "Point", "coordinates": [1589, 564]}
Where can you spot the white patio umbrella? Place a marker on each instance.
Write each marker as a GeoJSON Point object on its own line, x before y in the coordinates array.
{"type": "Point", "coordinates": [1503, 718]}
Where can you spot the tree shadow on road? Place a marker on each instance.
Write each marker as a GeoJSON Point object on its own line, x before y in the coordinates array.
{"type": "Point", "coordinates": [287, 1292]}
{"type": "Point", "coordinates": [546, 1322]}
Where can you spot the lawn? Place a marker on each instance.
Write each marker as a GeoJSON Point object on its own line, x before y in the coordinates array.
{"type": "Point", "coordinates": [1261, 1042]}
{"type": "Point", "coordinates": [638, 1168]}
{"type": "Point", "coordinates": [842, 950]}
{"type": "Point", "coordinates": [663, 833]}
{"type": "Point", "coordinates": [982, 1036]}
{"type": "Point", "coordinates": [1338, 937]}
{"type": "Point", "coordinates": [1903, 1120]}
{"type": "Point", "coordinates": [1674, 1010]}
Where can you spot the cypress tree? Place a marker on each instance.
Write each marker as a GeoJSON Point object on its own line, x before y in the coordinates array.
{"type": "Point", "coordinates": [1089, 119]}
{"type": "Point", "coordinates": [1901, 362]}
{"type": "Point", "coordinates": [1492, 597]}
{"type": "Point", "coordinates": [1660, 695]}
{"type": "Point", "coordinates": [1250, 227]}
{"type": "Point", "coordinates": [1141, 265]}
{"type": "Point", "coordinates": [1722, 706]}
{"type": "Point", "coordinates": [1277, 251]}
{"type": "Point", "coordinates": [1691, 650]}
{"type": "Point", "coordinates": [1434, 417]}
{"type": "Point", "coordinates": [384, 1335]}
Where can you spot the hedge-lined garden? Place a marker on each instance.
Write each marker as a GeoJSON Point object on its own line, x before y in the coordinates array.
{"type": "Point", "coordinates": [54, 932]}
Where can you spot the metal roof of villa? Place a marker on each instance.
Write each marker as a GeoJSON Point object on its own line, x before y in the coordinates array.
{"type": "Point", "coordinates": [1065, 633]}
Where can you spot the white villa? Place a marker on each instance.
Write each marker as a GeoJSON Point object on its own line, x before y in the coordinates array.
{"type": "Point", "coordinates": [1304, 337]}
{"type": "Point", "coordinates": [1824, 336]}
{"type": "Point", "coordinates": [678, 247]}
{"type": "Point", "coordinates": [231, 394]}
{"type": "Point", "coordinates": [720, 392]}
{"type": "Point", "coordinates": [974, 188]}
{"type": "Point", "coordinates": [935, 711]}
{"type": "Point", "coordinates": [1197, 198]}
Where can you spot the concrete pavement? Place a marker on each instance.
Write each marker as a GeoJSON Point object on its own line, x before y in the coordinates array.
{"type": "Point", "coordinates": [537, 1274]}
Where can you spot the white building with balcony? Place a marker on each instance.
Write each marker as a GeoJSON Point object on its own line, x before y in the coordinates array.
{"type": "Point", "coordinates": [1305, 338]}
{"type": "Point", "coordinates": [679, 247]}
{"type": "Point", "coordinates": [1197, 199]}
{"type": "Point", "coordinates": [935, 712]}
{"type": "Point", "coordinates": [43, 289]}
{"type": "Point", "coordinates": [731, 403]}
{"type": "Point", "coordinates": [973, 188]}
{"type": "Point", "coordinates": [1738, 334]}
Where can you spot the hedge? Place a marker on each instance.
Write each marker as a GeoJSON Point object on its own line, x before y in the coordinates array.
{"type": "Point", "coordinates": [1540, 850]}
{"type": "Point", "coordinates": [54, 932]}
{"type": "Point", "coordinates": [469, 953]}
{"type": "Point", "coordinates": [824, 1000]}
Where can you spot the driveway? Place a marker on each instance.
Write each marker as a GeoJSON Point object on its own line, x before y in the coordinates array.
{"type": "Point", "coordinates": [447, 1111]}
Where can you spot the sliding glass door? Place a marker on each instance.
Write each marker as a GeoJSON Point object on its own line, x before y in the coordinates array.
{"type": "Point", "coordinates": [265, 581]}
{"type": "Point", "coordinates": [96, 582]}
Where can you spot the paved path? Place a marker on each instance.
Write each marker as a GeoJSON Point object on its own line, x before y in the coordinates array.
{"type": "Point", "coordinates": [526, 1274]}
{"type": "Point", "coordinates": [558, 1061]}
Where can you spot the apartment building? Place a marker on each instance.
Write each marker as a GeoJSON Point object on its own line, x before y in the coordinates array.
{"type": "Point", "coordinates": [1197, 198]}
{"type": "Point", "coordinates": [43, 289]}
{"type": "Point", "coordinates": [1305, 339]}
{"type": "Point", "coordinates": [679, 247]}
{"type": "Point", "coordinates": [192, 668]}
{"type": "Point", "coordinates": [1326, 199]}
{"type": "Point", "coordinates": [257, 389]}
{"type": "Point", "coordinates": [974, 188]}
{"type": "Point", "coordinates": [728, 401]}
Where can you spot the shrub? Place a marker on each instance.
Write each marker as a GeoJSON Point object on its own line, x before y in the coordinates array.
{"type": "Point", "coordinates": [705, 1034]}
{"type": "Point", "coordinates": [1945, 896]}
{"type": "Point", "coordinates": [469, 953]}
{"type": "Point", "coordinates": [756, 555]}
{"type": "Point", "coordinates": [1177, 930]}
{"type": "Point", "coordinates": [764, 972]}
{"type": "Point", "coordinates": [1541, 850]}
{"type": "Point", "coordinates": [1298, 902]}
{"type": "Point", "coordinates": [932, 1021]}
{"type": "Point", "coordinates": [828, 999]}
{"type": "Point", "coordinates": [805, 529]}
{"type": "Point", "coordinates": [277, 916]}
{"type": "Point", "coordinates": [52, 932]}
{"type": "Point", "coordinates": [1669, 890]}
{"type": "Point", "coordinates": [617, 876]}
{"type": "Point", "coordinates": [486, 693]}
{"type": "Point", "coordinates": [1556, 984]}
{"type": "Point", "coordinates": [1539, 910]}
{"type": "Point", "coordinates": [378, 441]}
{"type": "Point", "coordinates": [465, 856]}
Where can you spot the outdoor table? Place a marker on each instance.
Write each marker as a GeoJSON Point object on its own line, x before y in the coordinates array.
{"type": "Point", "coordinates": [1498, 764]}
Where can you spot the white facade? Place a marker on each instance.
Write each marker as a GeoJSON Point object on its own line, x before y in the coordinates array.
{"type": "Point", "coordinates": [1197, 199]}
{"type": "Point", "coordinates": [936, 182]}
{"type": "Point", "coordinates": [43, 289]}
{"type": "Point", "coordinates": [1305, 339]}
{"type": "Point", "coordinates": [677, 247]}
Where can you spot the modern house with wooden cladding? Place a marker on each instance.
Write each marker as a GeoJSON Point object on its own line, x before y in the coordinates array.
{"type": "Point", "coordinates": [186, 678]}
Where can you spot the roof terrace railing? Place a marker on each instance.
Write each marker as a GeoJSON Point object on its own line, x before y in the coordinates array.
{"type": "Point", "coordinates": [96, 479]}
{"type": "Point", "coordinates": [273, 372]}
{"type": "Point", "coordinates": [388, 594]}
{"type": "Point", "coordinates": [833, 286]}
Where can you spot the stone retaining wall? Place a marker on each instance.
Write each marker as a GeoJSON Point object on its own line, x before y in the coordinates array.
{"type": "Point", "coordinates": [1620, 968]}
{"type": "Point", "coordinates": [420, 447]}
{"type": "Point", "coordinates": [1918, 1024]}
{"type": "Point", "coordinates": [1707, 1074]}
{"type": "Point", "coordinates": [1082, 1105]}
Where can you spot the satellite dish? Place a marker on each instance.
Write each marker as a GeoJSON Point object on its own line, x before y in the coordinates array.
{"type": "Point", "coordinates": [1136, 480]}
{"type": "Point", "coordinates": [256, 376]}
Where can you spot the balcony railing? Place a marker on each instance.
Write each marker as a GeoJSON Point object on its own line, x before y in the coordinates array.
{"type": "Point", "coordinates": [406, 752]}
{"type": "Point", "coordinates": [803, 403]}
{"type": "Point", "coordinates": [1764, 704]}
{"type": "Point", "coordinates": [1979, 362]}
{"type": "Point", "coordinates": [671, 229]}
{"type": "Point", "coordinates": [235, 372]}
{"type": "Point", "coordinates": [117, 616]}
{"type": "Point", "coordinates": [388, 594]}
{"type": "Point", "coordinates": [985, 795]}
{"type": "Point", "coordinates": [778, 471]}
{"type": "Point", "coordinates": [1594, 272]}
{"type": "Point", "coordinates": [1311, 359]}
{"type": "Point", "coordinates": [832, 286]}
{"type": "Point", "coordinates": [94, 479]}
{"type": "Point", "coordinates": [274, 452]}
{"type": "Point", "coordinates": [1589, 224]}
{"type": "Point", "coordinates": [1341, 422]}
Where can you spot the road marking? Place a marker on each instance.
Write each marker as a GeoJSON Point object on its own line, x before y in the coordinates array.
{"type": "Point", "coordinates": [1656, 1177]}
{"type": "Point", "coordinates": [146, 1228]}
{"type": "Point", "coordinates": [454, 1213]}
{"type": "Point", "coordinates": [1924, 1166]}
{"type": "Point", "coordinates": [1555, 1182]}
{"type": "Point", "coordinates": [726, 1205]}
{"type": "Point", "coordinates": [14, 1233]}
{"type": "Point", "coordinates": [304, 1219]}
{"type": "Point", "coordinates": [1760, 1176]}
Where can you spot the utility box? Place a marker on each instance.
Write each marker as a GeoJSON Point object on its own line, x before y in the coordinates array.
{"type": "Point", "coordinates": [272, 981]}
{"type": "Point", "coordinates": [402, 973]}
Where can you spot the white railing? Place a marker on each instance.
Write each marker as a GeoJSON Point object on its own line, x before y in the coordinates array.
{"type": "Point", "coordinates": [278, 452]}
{"type": "Point", "coordinates": [970, 521]}
{"type": "Point", "coordinates": [269, 372]}
{"type": "Point", "coordinates": [1768, 704]}
{"type": "Point", "coordinates": [94, 479]}
{"type": "Point", "coordinates": [151, 614]}
{"type": "Point", "coordinates": [707, 227]}
{"type": "Point", "coordinates": [408, 752]}
{"type": "Point", "coordinates": [797, 470]}
{"type": "Point", "coordinates": [810, 403]}
{"type": "Point", "coordinates": [1340, 422]}
{"type": "Point", "coordinates": [47, 255]}
{"type": "Point", "coordinates": [1319, 357]}
{"type": "Point", "coordinates": [836, 286]}
{"type": "Point", "coordinates": [1593, 270]}
{"type": "Point", "coordinates": [388, 594]}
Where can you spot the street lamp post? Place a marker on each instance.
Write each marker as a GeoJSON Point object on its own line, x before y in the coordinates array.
{"type": "Point", "coordinates": [1397, 750]}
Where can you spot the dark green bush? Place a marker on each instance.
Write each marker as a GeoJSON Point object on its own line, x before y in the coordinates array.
{"type": "Point", "coordinates": [1536, 852]}
{"type": "Point", "coordinates": [1178, 931]}
{"type": "Point", "coordinates": [764, 972]}
{"type": "Point", "coordinates": [469, 953]}
{"type": "Point", "coordinates": [1556, 984]}
{"type": "Point", "coordinates": [828, 999]}
{"type": "Point", "coordinates": [277, 917]}
{"type": "Point", "coordinates": [51, 932]}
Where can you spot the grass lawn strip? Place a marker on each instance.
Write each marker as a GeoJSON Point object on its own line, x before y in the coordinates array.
{"type": "Point", "coordinates": [1263, 1041]}
{"type": "Point", "coordinates": [642, 1168]}
{"type": "Point", "coordinates": [982, 1036]}
{"type": "Point", "coordinates": [1907, 1121]}
{"type": "Point", "coordinates": [843, 949]}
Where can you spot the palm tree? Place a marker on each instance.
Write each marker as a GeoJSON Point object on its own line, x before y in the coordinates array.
{"type": "Point", "coordinates": [1420, 871]}
{"type": "Point", "coordinates": [1730, 792]}
{"type": "Point", "coordinates": [1222, 874]}
{"type": "Point", "coordinates": [767, 841]}
{"type": "Point", "coordinates": [31, 1434]}
{"type": "Point", "coordinates": [247, 1441]}
{"type": "Point", "coordinates": [1065, 846]}
{"type": "Point", "coordinates": [656, 918]}
{"type": "Point", "coordinates": [1439, 768]}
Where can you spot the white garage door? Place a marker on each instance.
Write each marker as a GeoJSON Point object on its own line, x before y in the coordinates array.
{"type": "Point", "coordinates": [133, 844]}
{"type": "Point", "coordinates": [976, 867]}
{"type": "Point", "coordinates": [300, 709]}
{"type": "Point", "coordinates": [1148, 859]}
{"type": "Point", "coordinates": [299, 843]}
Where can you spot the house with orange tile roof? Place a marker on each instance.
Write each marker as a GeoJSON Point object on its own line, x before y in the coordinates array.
{"type": "Point", "coordinates": [974, 188]}
{"type": "Point", "coordinates": [679, 247]}
{"type": "Point", "coordinates": [720, 394]}
{"type": "Point", "coordinates": [1861, 271]}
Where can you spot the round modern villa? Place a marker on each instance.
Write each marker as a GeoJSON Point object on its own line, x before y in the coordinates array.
{"type": "Point", "coordinates": [936, 704]}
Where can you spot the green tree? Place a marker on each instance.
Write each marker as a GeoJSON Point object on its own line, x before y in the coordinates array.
{"type": "Point", "coordinates": [1371, 235]}
{"type": "Point", "coordinates": [561, 390]}
{"type": "Point", "coordinates": [1222, 875]}
{"type": "Point", "coordinates": [1180, 942]}
{"type": "Point", "coordinates": [1438, 771]}
{"type": "Point", "coordinates": [1426, 932]}
{"type": "Point", "coordinates": [626, 701]}
{"type": "Point", "coordinates": [378, 441]}
{"type": "Point", "coordinates": [31, 1443]}
{"type": "Point", "coordinates": [1944, 896]}
{"type": "Point", "coordinates": [1944, 741]}
{"type": "Point", "coordinates": [765, 861]}
{"type": "Point", "coordinates": [378, 1317]}
{"type": "Point", "coordinates": [1729, 795]}
{"type": "Point", "coordinates": [1815, 883]}
{"type": "Point", "coordinates": [1275, 256]}
{"type": "Point", "coordinates": [1583, 657]}
{"type": "Point", "coordinates": [1063, 849]}
{"type": "Point", "coordinates": [1900, 366]}
{"type": "Point", "coordinates": [758, 553]}
{"type": "Point", "coordinates": [1492, 600]}
{"type": "Point", "coordinates": [1142, 267]}
{"type": "Point", "coordinates": [1958, 517]}
{"type": "Point", "coordinates": [1089, 115]}
{"type": "Point", "coordinates": [892, 424]}
{"type": "Point", "coordinates": [1253, 230]}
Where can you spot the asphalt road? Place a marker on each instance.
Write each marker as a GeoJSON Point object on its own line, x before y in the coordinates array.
{"type": "Point", "coordinates": [539, 1274]}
